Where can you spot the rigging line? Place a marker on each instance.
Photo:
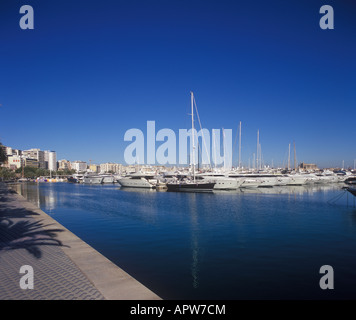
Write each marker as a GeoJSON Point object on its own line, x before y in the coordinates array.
{"type": "Point", "coordinates": [202, 133]}
{"type": "Point", "coordinates": [337, 197]}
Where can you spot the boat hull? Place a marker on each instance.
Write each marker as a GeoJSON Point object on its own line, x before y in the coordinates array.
{"type": "Point", "coordinates": [108, 179]}
{"type": "Point", "coordinates": [224, 183]}
{"type": "Point", "coordinates": [93, 180]}
{"type": "Point", "coordinates": [135, 183]}
{"type": "Point", "coordinates": [190, 187]}
{"type": "Point", "coordinates": [250, 183]}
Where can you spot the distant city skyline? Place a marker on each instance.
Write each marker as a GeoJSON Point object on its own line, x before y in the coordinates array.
{"type": "Point", "coordinates": [88, 73]}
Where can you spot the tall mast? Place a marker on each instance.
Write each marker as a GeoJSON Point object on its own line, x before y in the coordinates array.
{"type": "Point", "coordinates": [193, 145]}
{"type": "Point", "coordinates": [295, 158]}
{"type": "Point", "coordinates": [289, 157]}
{"type": "Point", "coordinates": [224, 149]}
{"type": "Point", "coordinates": [240, 147]}
{"type": "Point", "coordinates": [258, 143]}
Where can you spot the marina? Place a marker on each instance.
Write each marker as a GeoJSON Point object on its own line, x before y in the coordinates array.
{"type": "Point", "coordinates": [249, 243]}
{"type": "Point", "coordinates": [178, 150]}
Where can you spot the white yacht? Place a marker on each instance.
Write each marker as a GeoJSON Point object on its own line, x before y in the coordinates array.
{"type": "Point", "coordinates": [138, 180]}
{"type": "Point", "coordinates": [312, 178]}
{"type": "Point", "coordinates": [268, 180]}
{"type": "Point", "coordinates": [251, 183]}
{"type": "Point", "coordinates": [326, 178]}
{"type": "Point", "coordinates": [282, 180]}
{"type": "Point", "coordinates": [221, 181]}
{"type": "Point", "coordinates": [108, 178]}
{"type": "Point", "coordinates": [254, 180]}
{"type": "Point", "coordinates": [92, 179]}
{"type": "Point", "coordinates": [76, 178]}
{"type": "Point", "coordinates": [298, 179]}
{"type": "Point", "coordinates": [245, 181]}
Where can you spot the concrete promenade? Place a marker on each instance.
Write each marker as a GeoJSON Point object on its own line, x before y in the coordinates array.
{"type": "Point", "coordinates": [64, 266]}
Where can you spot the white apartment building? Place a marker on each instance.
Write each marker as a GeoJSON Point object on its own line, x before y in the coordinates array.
{"type": "Point", "coordinates": [79, 166]}
{"type": "Point", "coordinates": [63, 164]}
{"type": "Point", "coordinates": [14, 162]}
{"type": "Point", "coordinates": [52, 161]}
{"type": "Point", "coordinates": [110, 167]}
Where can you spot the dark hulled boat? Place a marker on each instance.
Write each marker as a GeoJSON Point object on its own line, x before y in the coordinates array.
{"type": "Point", "coordinates": [190, 186]}
{"type": "Point", "coordinates": [72, 180]}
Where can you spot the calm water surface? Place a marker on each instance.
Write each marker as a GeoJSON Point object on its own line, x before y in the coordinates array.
{"type": "Point", "coordinates": [258, 244]}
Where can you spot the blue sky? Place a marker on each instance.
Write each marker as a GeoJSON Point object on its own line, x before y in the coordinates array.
{"type": "Point", "coordinates": [91, 70]}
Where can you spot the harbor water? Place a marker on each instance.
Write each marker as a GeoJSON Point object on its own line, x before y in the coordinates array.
{"type": "Point", "coordinates": [263, 243]}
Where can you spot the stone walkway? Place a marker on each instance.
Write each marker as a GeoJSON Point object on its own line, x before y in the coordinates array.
{"type": "Point", "coordinates": [64, 266]}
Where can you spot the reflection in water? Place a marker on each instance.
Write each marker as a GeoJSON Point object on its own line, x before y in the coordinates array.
{"type": "Point", "coordinates": [194, 239]}
{"type": "Point", "coordinates": [31, 191]}
{"type": "Point", "coordinates": [256, 240]}
{"type": "Point", "coordinates": [142, 190]}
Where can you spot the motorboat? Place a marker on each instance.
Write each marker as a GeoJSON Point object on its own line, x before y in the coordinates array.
{"type": "Point", "coordinates": [108, 178]}
{"type": "Point", "coordinates": [138, 180]}
{"type": "Point", "coordinates": [75, 178]}
{"type": "Point", "coordinates": [251, 180]}
{"type": "Point", "coordinates": [93, 179]}
{"type": "Point", "coordinates": [282, 180]}
{"type": "Point", "coordinates": [297, 179]}
{"type": "Point", "coordinates": [222, 182]}
{"type": "Point", "coordinates": [326, 178]}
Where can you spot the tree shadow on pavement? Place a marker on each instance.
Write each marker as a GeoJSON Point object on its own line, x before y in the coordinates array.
{"type": "Point", "coordinates": [18, 230]}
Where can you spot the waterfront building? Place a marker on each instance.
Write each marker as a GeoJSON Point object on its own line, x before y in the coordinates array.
{"type": "Point", "coordinates": [79, 166]}
{"type": "Point", "coordinates": [8, 151]}
{"type": "Point", "coordinates": [52, 161]}
{"type": "Point", "coordinates": [11, 152]}
{"type": "Point", "coordinates": [28, 162]}
{"type": "Point", "coordinates": [308, 166]}
{"type": "Point", "coordinates": [64, 164]}
{"type": "Point", "coordinates": [110, 167]}
{"type": "Point", "coordinates": [94, 168]}
{"type": "Point", "coordinates": [35, 154]}
{"type": "Point", "coordinates": [13, 162]}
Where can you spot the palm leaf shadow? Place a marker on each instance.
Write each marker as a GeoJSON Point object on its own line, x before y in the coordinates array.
{"type": "Point", "coordinates": [26, 234]}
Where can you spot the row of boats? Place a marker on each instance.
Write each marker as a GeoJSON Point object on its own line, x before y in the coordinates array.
{"type": "Point", "coordinates": [209, 181]}
{"type": "Point", "coordinates": [213, 180]}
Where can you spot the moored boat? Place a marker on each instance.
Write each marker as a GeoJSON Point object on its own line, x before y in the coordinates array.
{"type": "Point", "coordinates": [93, 179]}
{"type": "Point", "coordinates": [189, 185]}
{"type": "Point", "coordinates": [222, 182]}
{"type": "Point", "coordinates": [138, 180]}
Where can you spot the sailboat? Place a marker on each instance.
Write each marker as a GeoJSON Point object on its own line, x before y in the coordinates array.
{"type": "Point", "coordinates": [187, 183]}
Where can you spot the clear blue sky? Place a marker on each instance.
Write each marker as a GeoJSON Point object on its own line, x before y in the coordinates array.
{"type": "Point", "coordinates": [90, 70]}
